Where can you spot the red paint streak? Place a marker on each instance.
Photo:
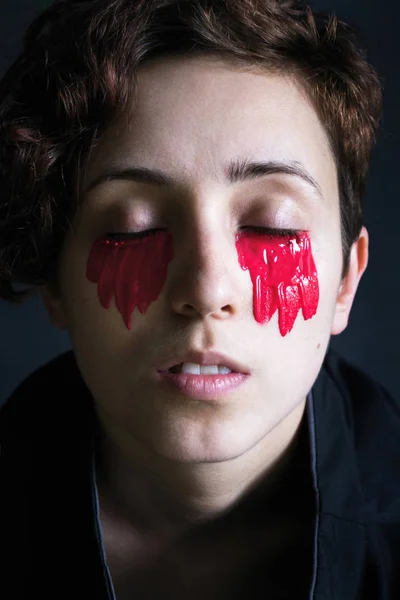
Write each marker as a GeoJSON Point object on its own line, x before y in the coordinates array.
{"type": "Point", "coordinates": [284, 277]}
{"type": "Point", "coordinates": [134, 270]}
{"type": "Point", "coordinates": [282, 270]}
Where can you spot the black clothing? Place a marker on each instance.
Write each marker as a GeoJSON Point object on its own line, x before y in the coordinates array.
{"type": "Point", "coordinates": [346, 476]}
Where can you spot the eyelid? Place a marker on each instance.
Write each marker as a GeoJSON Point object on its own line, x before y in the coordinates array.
{"type": "Point", "coordinates": [268, 231]}
{"type": "Point", "coordinates": [276, 231]}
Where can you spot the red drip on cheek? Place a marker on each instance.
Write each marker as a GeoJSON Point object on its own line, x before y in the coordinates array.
{"type": "Point", "coordinates": [133, 270]}
{"type": "Point", "coordinates": [284, 277]}
{"type": "Point", "coordinates": [282, 270]}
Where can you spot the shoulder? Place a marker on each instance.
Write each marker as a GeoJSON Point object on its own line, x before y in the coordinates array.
{"type": "Point", "coordinates": [372, 422]}
{"type": "Point", "coordinates": [367, 402]}
{"type": "Point", "coordinates": [49, 393]}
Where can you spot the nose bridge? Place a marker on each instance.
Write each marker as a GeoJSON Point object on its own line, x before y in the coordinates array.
{"type": "Point", "coordinates": [206, 271]}
{"type": "Point", "coordinates": [208, 242]}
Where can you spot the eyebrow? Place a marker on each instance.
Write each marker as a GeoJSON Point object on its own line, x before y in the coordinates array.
{"type": "Point", "coordinates": [236, 172]}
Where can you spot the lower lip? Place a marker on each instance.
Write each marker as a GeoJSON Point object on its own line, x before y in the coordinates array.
{"type": "Point", "coordinates": [202, 387]}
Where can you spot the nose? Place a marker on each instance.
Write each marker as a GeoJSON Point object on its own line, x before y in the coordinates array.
{"type": "Point", "coordinates": [205, 278]}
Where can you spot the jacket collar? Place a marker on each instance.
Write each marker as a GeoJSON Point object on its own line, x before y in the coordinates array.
{"type": "Point", "coordinates": [340, 529]}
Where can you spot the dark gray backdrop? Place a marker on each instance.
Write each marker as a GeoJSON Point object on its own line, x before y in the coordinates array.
{"type": "Point", "coordinates": [27, 339]}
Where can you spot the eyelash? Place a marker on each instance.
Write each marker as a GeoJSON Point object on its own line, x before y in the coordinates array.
{"type": "Point", "coordinates": [271, 232]}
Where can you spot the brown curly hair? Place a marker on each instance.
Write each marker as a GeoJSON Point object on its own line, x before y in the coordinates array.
{"type": "Point", "coordinates": [76, 72]}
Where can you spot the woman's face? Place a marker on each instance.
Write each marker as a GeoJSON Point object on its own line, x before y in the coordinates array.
{"type": "Point", "coordinates": [191, 120]}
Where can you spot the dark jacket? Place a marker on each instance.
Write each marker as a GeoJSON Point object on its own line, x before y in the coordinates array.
{"type": "Point", "coordinates": [50, 533]}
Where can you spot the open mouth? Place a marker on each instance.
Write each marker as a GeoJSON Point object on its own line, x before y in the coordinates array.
{"type": "Point", "coordinates": [193, 369]}
{"type": "Point", "coordinates": [176, 369]}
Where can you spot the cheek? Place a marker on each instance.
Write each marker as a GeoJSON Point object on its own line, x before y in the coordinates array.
{"type": "Point", "coordinates": [282, 271]}
{"type": "Point", "coordinates": [133, 270]}
{"type": "Point", "coordinates": [284, 277]}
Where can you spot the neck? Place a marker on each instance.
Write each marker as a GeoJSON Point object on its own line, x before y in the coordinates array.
{"type": "Point", "coordinates": [163, 498]}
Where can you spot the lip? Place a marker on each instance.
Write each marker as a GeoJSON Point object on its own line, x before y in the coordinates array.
{"type": "Point", "coordinates": [205, 359]}
{"type": "Point", "coordinates": [202, 387]}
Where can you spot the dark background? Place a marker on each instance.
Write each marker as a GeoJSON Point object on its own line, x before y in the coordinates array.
{"type": "Point", "coordinates": [28, 340]}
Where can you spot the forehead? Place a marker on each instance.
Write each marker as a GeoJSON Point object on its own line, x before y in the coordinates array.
{"type": "Point", "coordinates": [191, 117]}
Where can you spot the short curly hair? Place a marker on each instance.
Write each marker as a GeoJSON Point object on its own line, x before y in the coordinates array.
{"type": "Point", "coordinates": [76, 73]}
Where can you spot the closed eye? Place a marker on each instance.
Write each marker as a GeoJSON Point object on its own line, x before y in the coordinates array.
{"type": "Point", "coordinates": [268, 231]}
{"type": "Point", "coordinates": [274, 232]}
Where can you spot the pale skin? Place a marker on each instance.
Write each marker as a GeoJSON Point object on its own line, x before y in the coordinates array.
{"type": "Point", "coordinates": [170, 464]}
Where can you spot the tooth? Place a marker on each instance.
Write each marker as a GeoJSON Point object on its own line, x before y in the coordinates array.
{"type": "Point", "coordinates": [191, 368]}
{"type": "Point", "coordinates": [195, 369]}
{"type": "Point", "coordinates": [209, 370]}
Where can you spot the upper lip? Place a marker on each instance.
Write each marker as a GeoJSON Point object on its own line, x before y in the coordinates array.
{"type": "Point", "coordinates": [204, 359]}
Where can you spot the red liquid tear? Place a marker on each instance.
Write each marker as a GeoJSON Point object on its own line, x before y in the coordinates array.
{"type": "Point", "coordinates": [284, 277]}
{"type": "Point", "coordinates": [133, 270]}
{"type": "Point", "coordinates": [282, 270]}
